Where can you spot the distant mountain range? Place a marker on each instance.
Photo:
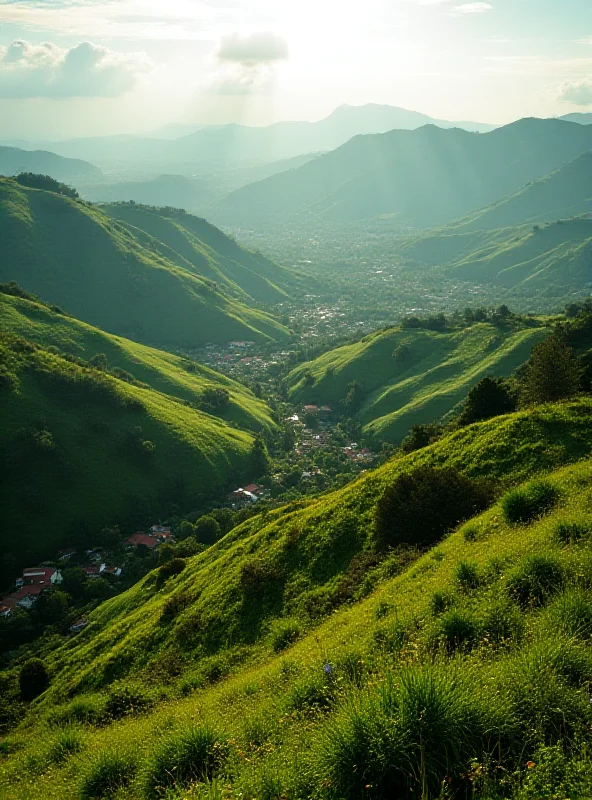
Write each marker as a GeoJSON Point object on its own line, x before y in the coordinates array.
{"type": "Point", "coordinates": [420, 178]}
{"type": "Point", "coordinates": [67, 170]}
{"type": "Point", "coordinates": [229, 145]}
{"type": "Point", "coordinates": [101, 266]}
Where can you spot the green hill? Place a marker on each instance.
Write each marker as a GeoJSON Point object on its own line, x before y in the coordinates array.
{"type": "Point", "coordinates": [82, 449]}
{"type": "Point", "coordinates": [555, 259]}
{"type": "Point", "coordinates": [192, 243]}
{"type": "Point", "coordinates": [438, 663]}
{"type": "Point", "coordinates": [67, 170]}
{"type": "Point", "coordinates": [566, 192]}
{"type": "Point", "coordinates": [76, 256]}
{"type": "Point", "coordinates": [412, 376]}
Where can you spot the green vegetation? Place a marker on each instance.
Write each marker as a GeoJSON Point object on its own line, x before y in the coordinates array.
{"type": "Point", "coordinates": [84, 449]}
{"type": "Point", "coordinates": [409, 376]}
{"type": "Point", "coordinates": [76, 256]}
{"type": "Point", "coordinates": [467, 665]}
{"type": "Point", "coordinates": [551, 259]}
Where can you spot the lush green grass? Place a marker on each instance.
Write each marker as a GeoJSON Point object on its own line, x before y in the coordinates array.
{"type": "Point", "coordinates": [77, 257]}
{"type": "Point", "coordinates": [81, 450]}
{"type": "Point", "coordinates": [432, 378]}
{"type": "Point", "coordinates": [444, 672]}
{"type": "Point", "coordinates": [192, 243]}
{"type": "Point", "coordinates": [553, 259]}
{"type": "Point", "coordinates": [162, 371]}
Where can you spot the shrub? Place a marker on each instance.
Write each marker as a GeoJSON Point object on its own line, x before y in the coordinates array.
{"type": "Point", "coordinates": [285, 635]}
{"type": "Point", "coordinates": [467, 574]}
{"type": "Point", "coordinates": [67, 743]}
{"type": "Point", "coordinates": [570, 531]}
{"type": "Point", "coordinates": [491, 397]}
{"type": "Point", "coordinates": [107, 774]}
{"type": "Point", "coordinates": [440, 602]}
{"type": "Point", "coordinates": [456, 631]}
{"type": "Point", "coordinates": [33, 679]}
{"type": "Point", "coordinates": [126, 700]}
{"type": "Point", "coordinates": [470, 533]}
{"type": "Point", "coordinates": [535, 579]}
{"type": "Point", "coordinates": [572, 613]}
{"type": "Point", "coordinates": [502, 623]}
{"type": "Point", "coordinates": [527, 503]}
{"type": "Point", "coordinates": [311, 693]}
{"type": "Point", "coordinates": [404, 738]}
{"type": "Point", "coordinates": [208, 530]}
{"type": "Point", "coordinates": [84, 710]}
{"type": "Point", "coordinates": [188, 756]}
{"type": "Point", "coordinates": [421, 506]}
{"type": "Point", "coordinates": [170, 569]}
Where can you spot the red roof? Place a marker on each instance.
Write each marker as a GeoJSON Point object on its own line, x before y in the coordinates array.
{"type": "Point", "coordinates": [39, 574]}
{"type": "Point", "coordinates": [142, 538]}
{"type": "Point", "coordinates": [14, 598]}
{"type": "Point", "coordinates": [253, 487]}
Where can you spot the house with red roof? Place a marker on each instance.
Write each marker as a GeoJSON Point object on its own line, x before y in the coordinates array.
{"type": "Point", "coordinates": [142, 538]}
{"type": "Point", "coordinates": [41, 576]}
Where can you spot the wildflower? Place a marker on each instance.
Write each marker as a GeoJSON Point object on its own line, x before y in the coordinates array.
{"type": "Point", "coordinates": [530, 764]}
{"type": "Point", "coordinates": [328, 669]}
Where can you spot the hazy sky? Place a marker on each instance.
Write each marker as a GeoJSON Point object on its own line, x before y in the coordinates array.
{"type": "Point", "coordinates": [84, 67]}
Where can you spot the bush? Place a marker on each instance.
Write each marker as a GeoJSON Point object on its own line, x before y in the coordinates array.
{"type": "Point", "coordinates": [405, 738]}
{"type": "Point", "coordinates": [526, 503]}
{"type": "Point", "coordinates": [67, 743]}
{"type": "Point", "coordinates": [441, 602]}
{"type": "Point", "coordinates": [456, 631]}
{"type": "Point", "coordinates": [314, 692]}
{"type": "Point", "coordinates": [109, 773]}
{"type": "Point", "coordinates": [207, 530]}
{"type": "Point", "coordinates": [285, 635]}
{"type": "Point", "coordinates": [189, 756]}
{"type": "Point", "coordinates": [169, 570]}
{"type": "Point", "coordinates": [421, 506]}
{"type": "Point", "coordinates": [570, 531]}
{"type": "Point", "coordinates": [33, 679]}
{"type": "Point", "coordinates": [467, 574]}
{"type": "Point", "coordinates": [535, 580]}
{"type": "Point", "coordinates": [491, 397]}
{"type": "Point", "coordinates": [125, 700]}
{"type": "Point", "coordinates": [84, 710]}
{"type": "Point", "coordinates": [572, 614]}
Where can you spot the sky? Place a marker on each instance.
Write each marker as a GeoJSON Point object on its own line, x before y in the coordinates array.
{"type": "Point", "coordinates": [73, 68]}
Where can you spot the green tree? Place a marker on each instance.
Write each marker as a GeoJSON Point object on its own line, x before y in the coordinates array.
{"type": "Point", "coordinates": [551, 374]}
{"type": "Point", "coordinates": [419, 507]}
{"type": "Point", "coordinates": [74, 582]}
{"type": "Point", "coordinates": [185, 530]}
{"type": "Point", "coordinates": [354, 398]}
{"type": "Point", "coordinates": [421, 436]}
{"type": "Point", "coordinates": [99, 361]}
{"type": "Point", "coordinates": [52, 607]}
{"type": "Point", "coordinates": [260, 461]}
{"type": "Point", "coordinates": [491, 397]}
{"type": "Point", "coordinates": [33, 679]}
{"type": "Point", "coordinates": [207, 530]}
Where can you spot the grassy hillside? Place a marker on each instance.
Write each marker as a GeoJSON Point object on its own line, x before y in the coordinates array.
{"type": "Point", "coordinates": [420, 178]}
{"type": "Point", "coordinates": [81, 449]}
{"type": "Point", "coordinates": [192, 243]}
{"type": "Point", "coordinates": [566, 192]}
{"type": "Point", "coordinates": [457, 667]}
{"type": "Point", "coordinates": [76, 256]}
{"type": "Point", "coordinates": [413, 376]}
{"type": "Point", "coordinates": [164, 372]}
{"type": "Point", "coordinates": [68, 170]}
{"type": "Point", "coordinates": [554, 258]}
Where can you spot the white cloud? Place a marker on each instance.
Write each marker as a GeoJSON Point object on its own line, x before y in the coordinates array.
{"type": "Point", "coordinates": [253, 48]}
{"type": "Point", "coordinates": [578, 92]}
{"type": "Point", "coordinates": [472, 8]}
{"type": "Point", "coordinates": [85, 70]}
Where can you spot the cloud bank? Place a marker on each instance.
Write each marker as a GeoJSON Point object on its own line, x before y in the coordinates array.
{"type": "Point", "coordinates": [246, 63]}
{"type": "Point", "coordinates": [577, 92]}
{"type": "Point", "coordinates": [253, 48]}
{"type": "Point", "coordinates": [85, 70]}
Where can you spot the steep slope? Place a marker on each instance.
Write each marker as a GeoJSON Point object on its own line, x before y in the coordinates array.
{"type": "Point", "coordinates": [67, 170]}
{"type": "Point", "coordinates": [81, 449]}
{"type": "Point", "coordinates": [411, 376]}
{"type": "Point", "coordinates": [446, 650]}
{"type": "Point", "coordinates": [422, 178]}
{"type": "Point", "coordinates": [554, 259]}
{"type": "Point", "coordinates": [75, 256]}
{"type": "Point", "coordinates": [566, 192]}
{"type": "Point", "coordinates": [163, 372]}
{"type": "Point", "coordinates": [192, 243]}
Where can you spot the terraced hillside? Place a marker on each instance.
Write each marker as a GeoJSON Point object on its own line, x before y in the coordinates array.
{"type": "Point", "coordinates": [84, 447]}
{"type": "Point", "coordinates": [430, 674]}
{"type": "Point", "coordinates": [77, 257]}
{"type": "Point", "coordinates": [555, 259]}
{"type": "Point", "coordinates": [192, 243]}
{"type": "Point", "coordinates": [411, 376]}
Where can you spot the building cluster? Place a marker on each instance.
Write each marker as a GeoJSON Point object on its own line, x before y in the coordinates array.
{"type": "Point", "coordinates": [158, 535]}
{"type": "Point", "coordinates": [244, 497]}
